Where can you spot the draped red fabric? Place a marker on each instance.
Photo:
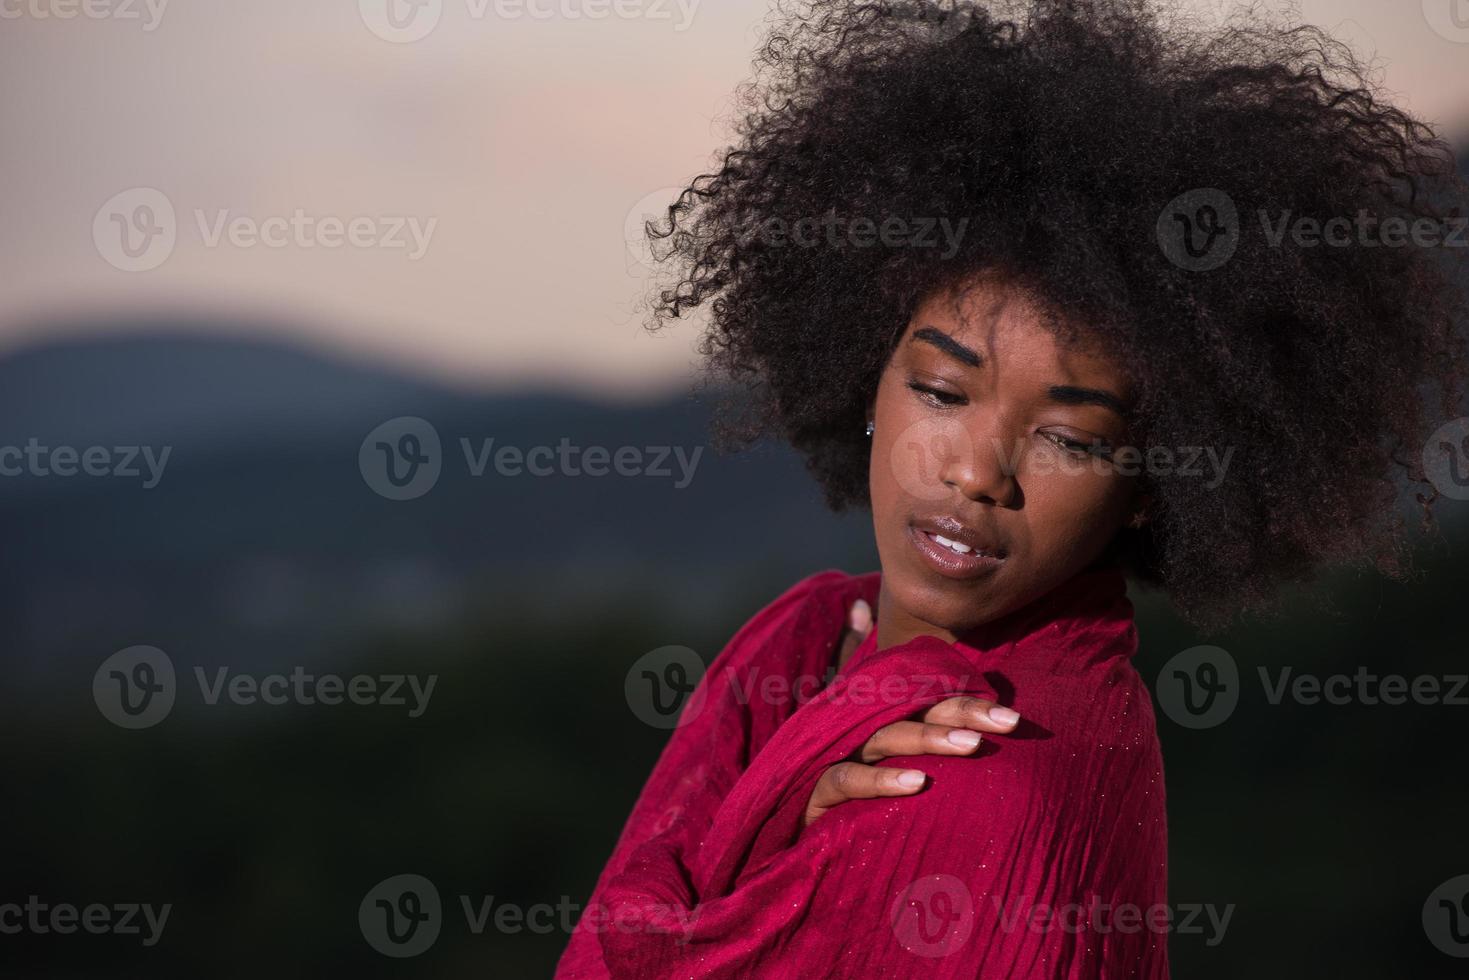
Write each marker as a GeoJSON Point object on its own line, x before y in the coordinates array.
{"type": "Point", "coordinates": [1043, 854]}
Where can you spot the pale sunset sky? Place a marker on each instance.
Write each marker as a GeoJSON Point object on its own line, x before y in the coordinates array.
{"type": "Point", "coordinates": [496, 165]}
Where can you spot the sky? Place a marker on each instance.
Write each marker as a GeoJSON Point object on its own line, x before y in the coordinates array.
{"type": "Point", "coordinates": [446, 186]}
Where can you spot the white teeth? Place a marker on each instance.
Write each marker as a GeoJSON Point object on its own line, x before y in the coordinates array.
{"type": "Point", "coordinates": [962, 549]}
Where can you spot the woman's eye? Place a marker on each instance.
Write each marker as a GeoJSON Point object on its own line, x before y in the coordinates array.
{"type": "Point", "coordinates": [936, 395]}
{"type": "Point", "coordinates": [1096, 448]}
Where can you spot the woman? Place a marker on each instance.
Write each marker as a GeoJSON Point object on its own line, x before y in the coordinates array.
{"type": "Point", "coordinates": [1030, 281]}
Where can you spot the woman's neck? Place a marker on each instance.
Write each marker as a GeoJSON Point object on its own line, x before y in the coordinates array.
{"type": "Point", "coordinates": [896, 627]}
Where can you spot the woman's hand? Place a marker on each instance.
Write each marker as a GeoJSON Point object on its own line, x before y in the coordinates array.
{"type": "Point", "coordinates": [951, 727]}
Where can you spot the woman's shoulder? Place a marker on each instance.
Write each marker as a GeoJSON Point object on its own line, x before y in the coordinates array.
{"type": "Point", "coordinates": [829, 584]}
{"type": "Point", "coordinates": [817, 596]}
{"type": "Point", "coordinates": [812, 609]}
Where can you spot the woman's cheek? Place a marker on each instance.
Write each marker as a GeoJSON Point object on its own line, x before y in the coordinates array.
{"type": "Point", "coordinates": [1074, 514]}
{"type": "Point", "coordinates": [905, 468]}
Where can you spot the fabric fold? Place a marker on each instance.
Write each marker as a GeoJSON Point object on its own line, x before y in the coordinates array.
{"type": "Point", "coordinates": [714, 875]}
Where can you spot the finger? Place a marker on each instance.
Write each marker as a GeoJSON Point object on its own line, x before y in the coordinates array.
{"type": "Point", "coordinates": [971, 712]}
{"type": "Point", "coordinates": [859, 624]}
{"type": "Point", "coordinates": [854, 781]}
{"type": "Point", "coordinates": [916, 738]}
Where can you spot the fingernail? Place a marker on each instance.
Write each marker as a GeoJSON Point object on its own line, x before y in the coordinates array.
{"type": "Point", "coordinates": [1002, 715]}
{"type": "Point", "coordinates": [910, 779]}
{"type": "Point", "coordinates": [964, 738]}
{"type": "Point", "coordinates": [861, 616]}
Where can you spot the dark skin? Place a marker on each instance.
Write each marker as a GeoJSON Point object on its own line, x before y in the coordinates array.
{"type": "Point", "coordinates": [983, 417]}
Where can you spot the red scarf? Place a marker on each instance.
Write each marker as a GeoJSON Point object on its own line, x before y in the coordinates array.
{"type": "Point", "coordinates": [1043, 854]}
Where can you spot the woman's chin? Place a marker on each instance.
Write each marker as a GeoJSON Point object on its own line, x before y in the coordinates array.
{"type": "Point", "coordinates": [945, 607]}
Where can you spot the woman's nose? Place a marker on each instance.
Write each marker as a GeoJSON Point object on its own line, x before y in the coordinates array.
{"type": "Point", "coordinates": [983, 467]}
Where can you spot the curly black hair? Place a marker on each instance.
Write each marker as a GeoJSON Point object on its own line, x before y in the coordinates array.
{"type": "Point", "coordinates": [1062, 131]}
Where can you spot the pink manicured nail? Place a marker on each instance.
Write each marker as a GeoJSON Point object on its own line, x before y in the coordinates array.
{"type": "Point", "coordinates": [910, 779]}
{"type": "Point", "coordinates": [1004, 716]}
{"type": "Point", "coordinates": [964, 738]}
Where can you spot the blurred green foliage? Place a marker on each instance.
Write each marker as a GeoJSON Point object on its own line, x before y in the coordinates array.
{"type": "Point", "coordinates": [1325, 826]}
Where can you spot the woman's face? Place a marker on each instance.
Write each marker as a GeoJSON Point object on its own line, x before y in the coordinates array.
{"type": "Point", "coordinates": [991, 477]}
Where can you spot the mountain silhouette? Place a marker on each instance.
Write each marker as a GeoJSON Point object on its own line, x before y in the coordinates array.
{"type": "Point", "coordinates": [263, 540]}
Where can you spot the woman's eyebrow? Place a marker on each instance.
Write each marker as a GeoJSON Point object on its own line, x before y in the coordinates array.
{"type": "Point", "coordinates": [947, 344]}
{"type": "Point", "coordinates": [1062, 394]}
{"type": "Point", "coordinates": [1072, 395]}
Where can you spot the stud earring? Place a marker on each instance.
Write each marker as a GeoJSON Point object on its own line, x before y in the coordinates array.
{"type": "Point", "coordinates": [870, 427]}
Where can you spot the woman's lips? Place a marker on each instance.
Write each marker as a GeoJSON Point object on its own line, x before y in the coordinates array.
{"type": "Point", "coordinates": [950, 563]}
